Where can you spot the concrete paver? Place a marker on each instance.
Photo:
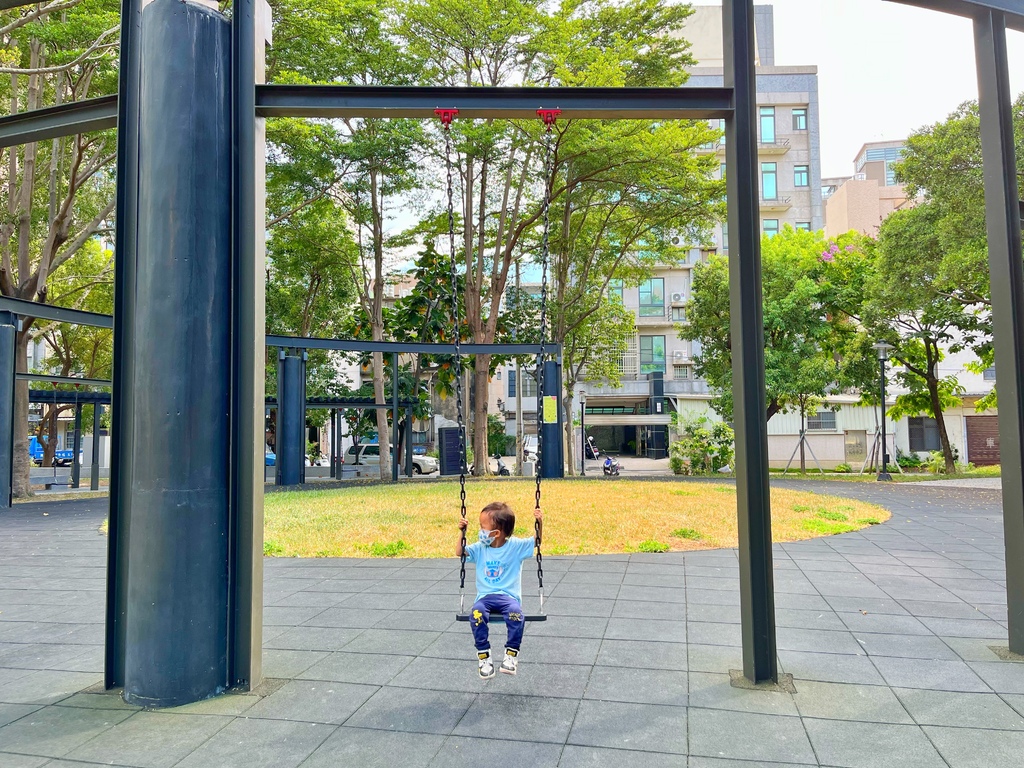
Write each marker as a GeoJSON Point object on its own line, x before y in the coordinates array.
{"type": "Point", "coordinates": [886, 631]}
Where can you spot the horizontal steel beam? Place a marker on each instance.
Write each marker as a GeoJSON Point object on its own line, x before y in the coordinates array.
{"type": "Point", "coordinates": [63, 397]}
{"type": "Point", "coordinates": [406, 348]}
{"type": "Point", "coordinates": [6, 5]}
{"type": "Point", "coordinates": [1012, 9]}
{"type": "Point", "coordinates": [358, 403]}
{"type": "Point", "coordinates": [64, 120]}
{"type": "Point", "coordinates": [62, 379]}
{"type": "Point", "coordinates": [410, 101]}
{"type": "Point", "coordinates": [59, 314]}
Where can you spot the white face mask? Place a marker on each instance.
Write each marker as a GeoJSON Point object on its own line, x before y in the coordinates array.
{"type": "Point", "coordinates": [487, 537]}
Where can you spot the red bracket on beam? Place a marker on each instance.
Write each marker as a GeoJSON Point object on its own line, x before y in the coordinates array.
{"type": "Point", "coordinates": [549, 116]}
{"type": "Point", "coordinates": [446, 115]}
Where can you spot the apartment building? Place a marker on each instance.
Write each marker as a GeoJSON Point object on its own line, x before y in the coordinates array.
{"type": "Point", "coordinates": [861, 202]}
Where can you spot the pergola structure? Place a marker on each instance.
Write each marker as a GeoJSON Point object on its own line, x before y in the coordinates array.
{"type": "Point", "coordinates": [184, 616]}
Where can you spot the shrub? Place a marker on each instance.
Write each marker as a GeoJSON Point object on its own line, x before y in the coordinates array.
{"type": "Point", "coordinates": [703, 448]}
{"type": "Point", "coordinates": [497, 440]}
{"type": "Point", "coordinates": [908, 460]}
{"type": "Point", "coordinates": [686, 533]}
{"type": "Point", "coordinates": [652, 546]}
{"type": "Point", "coordinates": [391, 549]}
{"type": "Point", "coordinates": [844, 468]}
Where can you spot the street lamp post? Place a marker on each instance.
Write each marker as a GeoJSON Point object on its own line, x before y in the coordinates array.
{"type": "Point", "coordinates": [883, 354]}
{"type": "Point", "coordinates": [583, 432]}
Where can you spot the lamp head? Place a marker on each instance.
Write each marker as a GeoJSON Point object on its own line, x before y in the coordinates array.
{"type": "Point", "coordinates": [882, 348]}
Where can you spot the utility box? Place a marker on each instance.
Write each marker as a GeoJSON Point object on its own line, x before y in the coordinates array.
{"type": "Point", "coordinates": [450, 456]}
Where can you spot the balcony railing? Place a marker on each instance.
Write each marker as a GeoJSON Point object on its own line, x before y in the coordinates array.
{"type": "Point", "coordinates": [776, 204]}
{"type": "Point", "coordinates": [777, 147]}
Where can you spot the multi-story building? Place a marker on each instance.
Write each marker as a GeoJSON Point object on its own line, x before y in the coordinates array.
{"type": "Point", "coordinates": [862, 201]}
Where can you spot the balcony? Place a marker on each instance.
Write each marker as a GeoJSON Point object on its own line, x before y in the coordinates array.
{"type": "Point", "coordinates": [686, 387]}
{"type": "Point", "coordinates": [776, 205]}
{"type": "Point", "coordinates": [777, 147]}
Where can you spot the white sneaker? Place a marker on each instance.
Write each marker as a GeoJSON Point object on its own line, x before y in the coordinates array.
{"type": "Point", "coordinates": [486, 667]}
{"type": "Point", "coordinates": [508, 666]}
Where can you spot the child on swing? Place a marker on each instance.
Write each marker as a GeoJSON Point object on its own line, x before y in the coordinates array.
{"type": "Point", "coordinates": [499, 581]}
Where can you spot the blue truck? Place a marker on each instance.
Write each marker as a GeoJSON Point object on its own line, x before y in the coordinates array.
{"type": "Point", "coordinates": [62, 458]}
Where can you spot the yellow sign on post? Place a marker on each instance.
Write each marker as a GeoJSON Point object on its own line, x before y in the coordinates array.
{"type": "Point", "coordinates": [551, 409]}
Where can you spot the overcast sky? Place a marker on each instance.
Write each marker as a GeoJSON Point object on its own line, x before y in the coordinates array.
{"type": "Point", "coordinates": [884, 69]}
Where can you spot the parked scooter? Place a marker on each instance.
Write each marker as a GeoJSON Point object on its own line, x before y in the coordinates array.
{"type": "Point", "coordinates": [503, 470]}
{"type": "Point", "coordinates": [591, 449]}
{"type": "Point", "coordinates": [611, 467]}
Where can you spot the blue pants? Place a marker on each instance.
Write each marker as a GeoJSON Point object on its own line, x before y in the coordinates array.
{"type": "Point", "coordinates": [480, 616]}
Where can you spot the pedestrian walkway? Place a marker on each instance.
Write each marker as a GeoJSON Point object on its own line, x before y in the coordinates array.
{"type": "Point", "coordinates": [888, 633]}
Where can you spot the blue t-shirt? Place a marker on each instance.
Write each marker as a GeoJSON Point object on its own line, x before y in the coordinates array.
{"type": "Point", "coordinates": [499, 570]}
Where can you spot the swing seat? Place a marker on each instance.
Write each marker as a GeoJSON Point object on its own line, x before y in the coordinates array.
{"type": "Point", "coordinates": [526, 617]}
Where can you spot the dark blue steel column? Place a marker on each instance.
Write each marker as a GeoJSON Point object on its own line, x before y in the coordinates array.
{"type": "Point", "coordinates": [757, 592]}
{"type": "Point", "coordinates": [552, 459]}
{"type": "Point", "coordinates": [94, 471]}
{"type": "Point", "coordinates": [76, 448]}
{"type": "Point", "coordinates": [8, 332]}
{"type": "Point", "coordinates": [291, 418]}
{"type": "Point", "coordinates": [1006, 269]}
{"type": "Point", "coordinates": [178, 561]}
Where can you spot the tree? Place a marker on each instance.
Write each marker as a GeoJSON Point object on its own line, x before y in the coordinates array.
{"type": "Point", "coordinates": [801, 334]}
{"type": "Point", "coordinates": [525, 42]}
{"type": "Point", "coordinates": [943, 161]}
{"type": "Point", "coordinates": [907, 306]}
{"type": "Point", "coordinates": [59, 193]}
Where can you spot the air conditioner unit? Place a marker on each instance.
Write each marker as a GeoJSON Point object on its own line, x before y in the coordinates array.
{"type": "Point", "coordinates": [677, 240]}
{"type": "Point", "coordinates": [860, 176]}
{"type": "Point", "coordinates": [678, 298]}
{"type": "Point", "coordinates": [679, 355]}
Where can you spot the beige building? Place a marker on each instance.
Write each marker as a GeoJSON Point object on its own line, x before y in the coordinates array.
{"type": "Point", "coordinates": [862, 201]}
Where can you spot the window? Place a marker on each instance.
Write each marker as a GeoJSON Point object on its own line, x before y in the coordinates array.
{"type": "Point", "coordinates": [725, 237]}
{"type": "Point", "coordinates": [890, 175]}
{"type": "Point", "coordinates": [529, 383]}
{"type": "Point", "coordinates": [800, 119]}
{"type": "Point", "coordinates": [721, 127]}
{"type": "Point", "coordinates": [615, 289]}
{"type": "Point", "coordinates": [770, 227]}
{"type": "Point", "coordinates": [767, 125]}
{"type": "Point", "coordinates": [722, 170]}
{"type": "Point", "coordinates": [803, 226]}
{"type": "Point", "coordinates": [769, 181]}
{"type": "Point", "coordinates": [924, 434]}
{"type": "Point", "coordinates": [821, 421]}
{"type": "Point", "coordinates": [652, 354]}
{"type": "Point", "coordinates": [680, 372]}
{"type": "Point", "coordinates": [652, 297]}
{"type": "Point", "coordinates": [990, 373]}
{"type": "Point", "coordinates": [801, 176]}
{"type": "Point", "coordinates": [512, 384]}
{"type": "Point", "coordinates": [678, 314]}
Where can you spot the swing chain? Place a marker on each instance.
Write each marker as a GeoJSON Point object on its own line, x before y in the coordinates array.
{"type": "Point", "coordinates": [446, 116]}
{"type": "Point", "coordinates": [548, 116]}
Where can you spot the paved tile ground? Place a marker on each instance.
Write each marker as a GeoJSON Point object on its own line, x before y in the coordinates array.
{"type": "Point", "coordinates": [886, 632]}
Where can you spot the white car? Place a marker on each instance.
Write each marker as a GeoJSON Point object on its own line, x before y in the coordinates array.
{"type": "Point", "coordinates": [370, 454]}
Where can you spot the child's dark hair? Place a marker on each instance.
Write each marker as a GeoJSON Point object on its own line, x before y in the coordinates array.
{"type": "Point", "coordinates": [502, 515]}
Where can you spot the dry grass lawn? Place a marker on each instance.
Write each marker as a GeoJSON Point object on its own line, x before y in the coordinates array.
{"type": "Point", "coordinates": [580, 517]}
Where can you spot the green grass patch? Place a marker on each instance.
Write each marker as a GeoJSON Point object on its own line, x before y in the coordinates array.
{"type": "Point", "coordinates": [391, 549]}
{"type": "Point", "coordinates": [686, 533]}
{"type": "Point", "coordinates": [869, 521]}
{"type": "Point", "coordinates": [827, 527]}
{"type": "Point", "coordinates": [272, 548]}
{"type": "Point", "coordinates": [837, 516]}
{"type": "Point", "coordinates": [651, 545]}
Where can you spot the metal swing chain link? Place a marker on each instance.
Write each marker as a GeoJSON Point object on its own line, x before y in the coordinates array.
{"type": "Point", "coordinates": [548, 173]}
{"type": "Point", "coordinates": [460, 417]}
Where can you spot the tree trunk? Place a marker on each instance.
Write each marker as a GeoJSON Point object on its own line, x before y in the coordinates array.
{"type": "Point", "coordinates": [803, 428]}
{"type": "Point", "coordinates": [570, 443]}
{"type": "Point", "coordinates": [21, 482]}
{"type": "Point", "coordinates": [481, 369]}
{"type": "Point", "coordinates": [940, 422]}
